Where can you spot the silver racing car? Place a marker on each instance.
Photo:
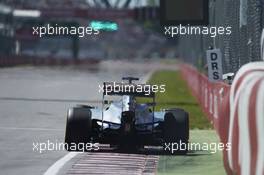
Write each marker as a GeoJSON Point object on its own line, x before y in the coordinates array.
{"type": "Point", "coordinates": [125, 123]}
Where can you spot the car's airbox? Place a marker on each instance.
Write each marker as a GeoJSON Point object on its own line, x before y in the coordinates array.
{"type": "Point", "coordinates": [128, 121]}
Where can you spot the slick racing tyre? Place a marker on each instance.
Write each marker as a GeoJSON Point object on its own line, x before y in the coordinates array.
{"type": "Point", "coordinates": [78, 128]}
{"type": "Point", "coordinates": [176, 132]}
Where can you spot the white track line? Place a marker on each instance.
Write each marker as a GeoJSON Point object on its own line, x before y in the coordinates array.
{"type": "Point", "coordinates": [146, 77]}
{"type": "Point", "coordinates": [55, 168]}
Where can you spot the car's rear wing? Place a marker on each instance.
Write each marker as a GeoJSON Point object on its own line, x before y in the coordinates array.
{"type": "Point", "coordinates": [137, 90]}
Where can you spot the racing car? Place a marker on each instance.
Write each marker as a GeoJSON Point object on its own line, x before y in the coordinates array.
{"type": "Point", "coordinates": [126, 123]}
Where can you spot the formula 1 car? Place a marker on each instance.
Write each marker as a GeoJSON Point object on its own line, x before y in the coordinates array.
{"type": "Point", "coordinates": [127, 124]}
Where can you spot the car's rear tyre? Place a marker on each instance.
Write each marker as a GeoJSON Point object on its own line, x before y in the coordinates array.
{"type": "Point", "coordinates": [176, 131]}
{"type": "Point", "coordinates": [78, 128]}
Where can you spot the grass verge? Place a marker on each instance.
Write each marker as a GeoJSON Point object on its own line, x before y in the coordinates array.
{"type": "Point", "coordinates": [198, 162]}
{"type": "Point", "coordinates": [178, 95]}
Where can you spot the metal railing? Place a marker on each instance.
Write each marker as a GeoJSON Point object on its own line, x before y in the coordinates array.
{"type": "Point", "coordinates": [242, 46]}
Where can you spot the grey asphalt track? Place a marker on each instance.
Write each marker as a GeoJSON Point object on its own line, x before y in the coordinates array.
{"type": "Point", "coordinates": [33, 105]}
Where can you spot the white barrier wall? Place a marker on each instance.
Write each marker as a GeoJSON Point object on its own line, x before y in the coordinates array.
{"type": "Point", "coordinates": [246, 123]}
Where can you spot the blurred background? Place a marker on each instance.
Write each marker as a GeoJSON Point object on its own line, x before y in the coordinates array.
{"type": "Point", "coordinates": [138, 33]}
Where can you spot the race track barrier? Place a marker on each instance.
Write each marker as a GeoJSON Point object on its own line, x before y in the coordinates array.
{"type": "Point", "coordinates": [14, 60]}
{"type": "Point", "coordinates": [237, 114]}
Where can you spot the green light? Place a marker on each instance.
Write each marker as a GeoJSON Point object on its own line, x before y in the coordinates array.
{"type": "Point", "coordinates": [102, 25]}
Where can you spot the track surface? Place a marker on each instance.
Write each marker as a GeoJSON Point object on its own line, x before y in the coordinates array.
{"type": "Point", "coordinates": [33, 105]}
{"type": "Point", "coordinates": [114, 163]}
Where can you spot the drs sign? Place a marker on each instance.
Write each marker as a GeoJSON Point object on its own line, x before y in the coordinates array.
{"type": "Point", "coordinates": [214, 60]}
